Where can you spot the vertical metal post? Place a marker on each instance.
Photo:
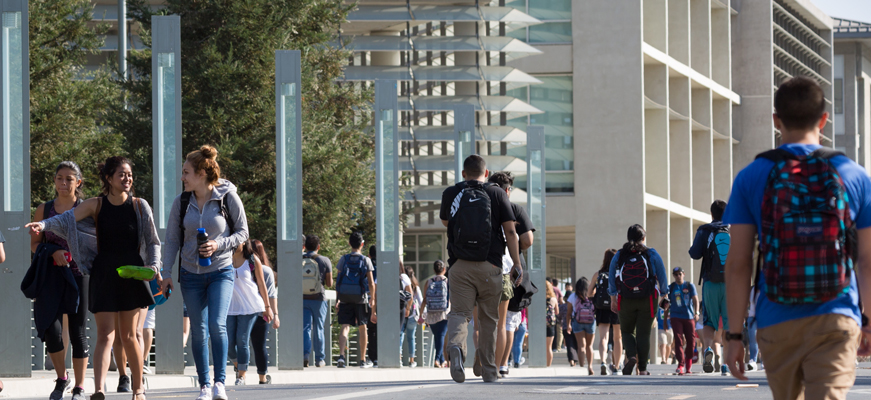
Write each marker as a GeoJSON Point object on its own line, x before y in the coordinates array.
{"type": "Point", "coordinates": [15, 336]}
{"type": "Point", "coordinates": [122, 38]}
{"type": "Point", "coordinates": [537, 257]}
{"type": "Point", "coordinates": [167, 161]}
{"type": "Point", "coordinates": [288, 150]}
{"type": "Point", "coordinates": [387, 222]}
{"type": "Point", "coordinates": [464, 129]}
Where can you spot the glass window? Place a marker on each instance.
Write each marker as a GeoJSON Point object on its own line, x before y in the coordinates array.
{"type": "Point", "coordinates": [409, 247]}
{"type": "Point", "coordinates": [386, 206]}
{"type": "Point", "coordinates": [289, 137]}
{"type": "Point", "coordinates": [168, 167]}
{"type": "Point", "coordinates": [547, 10]}
{"type": "Point", "coordinates": [430, 248]}
{"type": "Point", "coordinates": [551, 32]}
{"type": "Point", "coordinates": [839, 96]}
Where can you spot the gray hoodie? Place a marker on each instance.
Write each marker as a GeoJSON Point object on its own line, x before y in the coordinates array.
{"type": "Point", "coordinates": [216, 226]}
{"type": "Point", "coordinates": [81, 236]}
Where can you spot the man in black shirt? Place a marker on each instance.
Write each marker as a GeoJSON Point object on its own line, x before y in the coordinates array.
{"type": "Point", "coordinates": [477, 282]}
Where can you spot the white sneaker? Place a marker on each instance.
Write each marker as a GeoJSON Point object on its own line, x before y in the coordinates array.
{"type": "Point", "coordinates": [240, 381]}
{"type": "Point", "coordinates": [320, 364]}
{"type": "Point", "coordinates": [146, 370]}
{"type": "Point", "coordinates": [412, 365]}
{"type": "Point", "coordinates": [218, 392]}
{"type": "Point", "coordinates": [751, 366]}
{"type": "Point", "coordinates": [522, 360]}
{"type": "Point", "coordinates": [204, 393]}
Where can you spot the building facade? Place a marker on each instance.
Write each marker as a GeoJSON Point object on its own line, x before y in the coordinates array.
{"type": "Point", "coordinates": [852, 89]}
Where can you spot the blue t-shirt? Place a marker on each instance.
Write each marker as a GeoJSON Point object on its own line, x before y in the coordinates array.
{"type": "Point", "coordinates": [661, 322]}
{"type": "Point", "coordinates": [681, 298]}
{"type": "Point", "coordinates": [745, 207]}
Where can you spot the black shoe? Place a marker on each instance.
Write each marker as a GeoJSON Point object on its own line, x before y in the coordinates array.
{"type": "Point", "coordinates": [305, 363]}
{"type": "Point", "coordinates": [516, 365]}
{"type": "Point", "coordinates": [340, 362]}
{"type": "Point", "coordinates": [78, 393]}
{"type": "Point", "coordinates": [124, 384]}
{"type": "Point", "coordinates": [98, 396]}
{"type": "Point", "coordinates": [630, 366]}
{"type": "Point", "coordinates": [60, 386]}
{"type": "Point", "coordinates": [458, 372]}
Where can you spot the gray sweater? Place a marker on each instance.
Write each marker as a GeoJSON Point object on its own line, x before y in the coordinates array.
{"type": "Point", "coordinates": [216, 226]}
{"type": "Point", "coordinates": [81, 236]}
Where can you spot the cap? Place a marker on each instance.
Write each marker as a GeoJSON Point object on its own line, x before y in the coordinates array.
{"type": "Point", "coordinates": [676, 270]}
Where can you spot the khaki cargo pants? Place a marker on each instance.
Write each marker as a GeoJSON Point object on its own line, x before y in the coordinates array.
{"type": "Point", "coordinates": [474, 283]}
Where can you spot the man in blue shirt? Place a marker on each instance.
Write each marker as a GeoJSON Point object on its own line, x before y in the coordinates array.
{"type": "Point", "coordinates": [809, 348]}
{"type": "Point", "coordinates": [714, 286]}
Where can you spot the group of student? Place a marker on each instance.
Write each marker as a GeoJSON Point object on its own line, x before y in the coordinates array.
{"type": "Point", "coordinates": [809, 210]}
{"type": "Point", "coordinates": [226, 282]}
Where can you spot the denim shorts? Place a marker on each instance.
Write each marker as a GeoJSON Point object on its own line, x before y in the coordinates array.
{"type": "Point", "coordinates": [578, 327]}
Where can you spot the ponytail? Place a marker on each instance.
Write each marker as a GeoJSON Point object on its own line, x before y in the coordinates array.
{"type": "Point", "coordinates": [635, 236]}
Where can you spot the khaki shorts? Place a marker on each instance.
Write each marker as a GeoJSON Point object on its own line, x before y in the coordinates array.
{"type": "Point", "coordinates": [811, 357]}
{"type": "Point", "coordinates": [507, 288]}
{"type": "Point", "coordinates": [666, 337]}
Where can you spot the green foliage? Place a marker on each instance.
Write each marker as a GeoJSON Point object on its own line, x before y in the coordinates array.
{"type": "Point", "coordinates": [228, 100]}
{"type": "Point", "coordinates": [67, 103]}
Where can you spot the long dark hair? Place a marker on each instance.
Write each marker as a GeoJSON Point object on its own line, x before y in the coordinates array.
{"type": "Point", "coordinates": [77, 171]}
{"type": "Point", "coordinates": [260, 251]}
{"type": "Point", "coordinates": [414, 284]}
{"type": "Point", "coordinates": [581, 287]}
{"type": "Point", "coordinates": [635, 238]}
{"type": "Point", "coordinates": [108, 168]}
{"type": "Point", "coordinates": [606, 262]}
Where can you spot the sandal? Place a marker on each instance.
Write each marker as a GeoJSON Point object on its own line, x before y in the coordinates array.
{"type": "Point", "coordinates": [136, 396]}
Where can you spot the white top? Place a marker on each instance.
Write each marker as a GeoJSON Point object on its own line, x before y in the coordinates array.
{"type": "Point", "coordinates": [246, 298]}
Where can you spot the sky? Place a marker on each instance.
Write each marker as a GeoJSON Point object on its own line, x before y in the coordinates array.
{"type": "Point", "coordinates": [856, 10]}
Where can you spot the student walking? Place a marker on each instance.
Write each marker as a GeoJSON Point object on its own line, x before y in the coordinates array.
{"type": "Point", "coordinates": [317, 276]}
{"type": "Point", "coordinates": [206, 271]}
{"type": "Point", "coordinates": [261, 326]}
{"type": "Point", "coordinates": [409, 329]}
{"type": "Point", "coordinates": [809, 334]}
{"type": "Point", "coordinates": [564, 320]}
{"type": "Point", "coordinates": [355, 290]}
{"type": "Point", "coordinates": [511, 273]}
{"type": "Point", "coordinates": [436, 305]}
{"type": "Point", "coordinates": [551, 319]}
{"type": "Point", "coordinates": [249, 302]}
{"type": "Point", "coordinates": [582, 311]}
{"type": "Point", "coordinates": [124, 226]}
{"type": "Point", "coordinates": [606, 318]}
{"type": "Point", "coordinates": [684, 312]}
{"type": "Point", "coordinates": [666, 335]}
{"type": "Point", "coordinates": [476, 213]}
{"type": "Point", "coordinates": [636, 278]}
{"type": "Point", "coordinates": [711, 245]}
{"type": "Point", "coordinates": [68, 183]}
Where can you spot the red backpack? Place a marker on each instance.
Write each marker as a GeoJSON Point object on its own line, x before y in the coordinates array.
{"type": "Point", "coordinates": [808, 237]}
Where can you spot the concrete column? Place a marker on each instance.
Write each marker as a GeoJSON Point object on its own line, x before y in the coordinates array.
{"type": "Point", "coordinates": [656, 23]}
{"type": "Point", "coordinates": [702, 149]}
{"type": "Point", "coordinates": [700, 36]}
{"type": "Point", "coordinates": [752, 58]}
{"type": "Point", "coordinates": [680, 137]}
{"type": "Point", "coordinates": [679, 30]}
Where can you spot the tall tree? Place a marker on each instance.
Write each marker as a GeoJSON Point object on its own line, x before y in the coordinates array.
{"type": "Point", "coordinates": [228, 100]}
{"type": "Point", "coordinates": [67, 103]}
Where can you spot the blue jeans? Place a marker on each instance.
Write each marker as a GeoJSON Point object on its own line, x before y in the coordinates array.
{"type": "Point", "coordinates": [239, 332]}
{"type": "Point", "coordinates": [207, 297]}
{"type": "Point", "coordinates": [314, 313]}
{"type": "Point", "coordinates": [407, 336]}
{"type": "Point", "coordinates": [751, 338]}
{"type": "Point", "coordinates": [517, 345]}
{"type": "Point", "coordinates": [439, 329]}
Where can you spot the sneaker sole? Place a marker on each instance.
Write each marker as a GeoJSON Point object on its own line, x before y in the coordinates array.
{"type": "Point", "coordinates": [458, 373]}
{"type": "Point", "coordinates": [708, 366]}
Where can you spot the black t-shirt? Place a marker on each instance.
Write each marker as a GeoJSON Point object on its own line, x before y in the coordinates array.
{"type": "Point", "coordinates": [500, 212]}
{"type": "Point", "coordinates": [524, 224]}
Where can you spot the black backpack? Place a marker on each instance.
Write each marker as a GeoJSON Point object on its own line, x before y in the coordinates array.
{"type": "Point", "coordinates": [635, 275]}
{"type": "Point", "coordinates": [470, 223]}
{"type": "Point", "coordinates": [714, 260]}
{"type": "Point", "coordinates": [522, 294]}
{"type": "Point", "coordinates": [602, 298]}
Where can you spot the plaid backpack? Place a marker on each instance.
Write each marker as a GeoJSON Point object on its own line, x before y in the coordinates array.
{"type": "Point", "coordinates": [808, 235]}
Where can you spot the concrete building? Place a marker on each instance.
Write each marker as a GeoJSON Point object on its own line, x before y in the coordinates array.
{"type": "Point", "coordinates": [852, 89]}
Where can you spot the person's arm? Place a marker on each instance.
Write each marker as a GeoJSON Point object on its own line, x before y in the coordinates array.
{"type": "Point", "coordinates": [150, 239]}
{"type": "Point", "coordinates": [739, 268]}
{"type": "Point", "coordinates": [661, 276]}
{"type": "Point", "coordinates": [526, 240]}
{"type": "Point", "coordinates": [261, 287]}
{"type": "Point", "coordinates": [276, 323]}
{"type": "Point", "coordinates": [328, 279]}
{"type": "Point", "coordinates": [36, 239]}
{"type": "Point", "coordinates": [591, 291]}
{"type": "Point", "coordinates": [2, 253]}
{"type": "Point", "coordinates": [371, 291]}
{"type": "Point", "coordinates": [513, 246]}
{"type": "Point", "coordinates": [87, 209]}
{"type": "Point", "coordinates": [240, 223]}
{"type": "Point", "coordinates": [612, 282]}
{"type": "Point", "coordinates": [697, 250]}
{"type": "Point", "coordinates": [555, 306]}
{"type": "Point", "coordinates": [408, 303]}
{"type": "Point", "coordinates": [696, 307]}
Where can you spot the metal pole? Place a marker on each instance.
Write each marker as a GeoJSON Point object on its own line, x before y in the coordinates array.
{"type": "Point", "coordinates": [122, 38]}
{"type": "Point", "coordinates": [288, 149]}
{"type": "Point", "coordinates": [167, 161]}
{"type": "Point", "coordinates": [15, 337]}
{"type": "Point", "coordinates": [537, 259]}
{"type": "Point", "coordinates": [387, 224]}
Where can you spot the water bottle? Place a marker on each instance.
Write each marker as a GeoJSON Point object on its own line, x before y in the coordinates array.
{"type": "Point", "coordinates": [202, 238]}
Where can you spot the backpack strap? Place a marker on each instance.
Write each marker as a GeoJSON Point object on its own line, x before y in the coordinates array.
{"type": "Point", "coordinates": [184, 202]}
{"type": "Point", "coordinates": [225, 212]}
{"type": "Point", "coordinates": [826, 153]}
{"type": "Point", "coordinates": [776, 155]}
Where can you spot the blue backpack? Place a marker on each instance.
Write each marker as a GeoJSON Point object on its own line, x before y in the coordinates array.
{"type": "Point", "coordinates": [353, 282]}
{"type": "Point", "coordinates": [714, 261]}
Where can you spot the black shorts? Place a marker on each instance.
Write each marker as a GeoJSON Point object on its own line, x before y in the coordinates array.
{"type": "Point", "coordinates": [551, 330]}
{"type": "Point", "coordinates": [353, 314]}
{"type": "Point", "coordinates": [607, 317]}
